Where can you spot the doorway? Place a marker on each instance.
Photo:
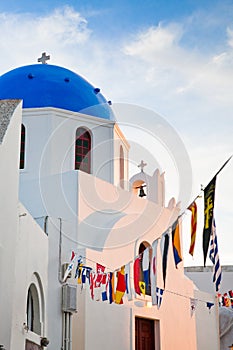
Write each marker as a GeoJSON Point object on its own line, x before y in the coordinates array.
{"type": "Point", "coordinates": [144, 334]}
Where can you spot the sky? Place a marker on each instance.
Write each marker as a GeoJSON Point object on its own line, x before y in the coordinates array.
{"type": "Point", "coordinates": [171, 58]}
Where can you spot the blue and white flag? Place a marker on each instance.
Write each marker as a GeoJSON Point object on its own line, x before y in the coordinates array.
{"type": "Point", "coordinates": [159, 296]}
{"type": "Point", "coordinates": [71, 265]}
{"type": "Point", "coordinates": [146, 266]}
{"type": "Point", "coordinates": [214, 257]}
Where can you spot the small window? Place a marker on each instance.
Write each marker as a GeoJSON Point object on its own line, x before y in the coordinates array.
{"type": "Point", "coordinates": [122, 170]}
{"type": "Point", "coordinates": [22, 147]}
{"type": "Point", "coordinates": [33, 310]}
{"type": "Point", "coordinates": [83, 150]}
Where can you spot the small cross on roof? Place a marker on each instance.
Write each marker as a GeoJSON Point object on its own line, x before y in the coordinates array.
{"type": "Point", "coordinates": [44, 58]}
{"type": "Point", "coordinates": [142, 165]}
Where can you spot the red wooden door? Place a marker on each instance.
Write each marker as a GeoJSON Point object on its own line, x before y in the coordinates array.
{"type": "Point", "coordinates": [144, 334]}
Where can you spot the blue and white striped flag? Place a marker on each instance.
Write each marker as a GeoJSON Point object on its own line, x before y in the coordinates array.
{"type": "Point", "coordinates": [214, 257]}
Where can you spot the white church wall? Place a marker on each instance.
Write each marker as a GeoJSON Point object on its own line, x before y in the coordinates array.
{"type": "Point", "coordinates": [50, 142]}
{"type": "Point", "coordinates": [108, 326]}
{"type": "Point", "coordinates": [203, 278]}
{"type": "Point", "coordinates": [9, 159]}
{"type": "Point", "coordinates": [207, 323]}
{"type": "Point", "coordinates": [30, 268]}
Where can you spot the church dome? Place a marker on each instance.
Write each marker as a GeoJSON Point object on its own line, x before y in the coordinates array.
{"type": "Point", "coordinates": [45, 85]}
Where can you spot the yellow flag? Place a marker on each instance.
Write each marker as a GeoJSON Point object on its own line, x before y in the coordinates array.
{"type": "Point", "coordinates": [142, 286]}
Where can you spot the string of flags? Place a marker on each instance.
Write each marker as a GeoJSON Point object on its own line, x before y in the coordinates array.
{"type": "Point", "coordinates": [226, 299]}
{"type": "Point", "coordinates": [114, 286]}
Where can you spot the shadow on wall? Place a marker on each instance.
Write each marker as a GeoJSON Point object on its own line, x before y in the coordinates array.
{"type": "Point", "coordinates": [225, 327]}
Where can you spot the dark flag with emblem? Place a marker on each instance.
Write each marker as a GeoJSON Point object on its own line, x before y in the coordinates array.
{"type": "Point", "coordinates": [209, 193]}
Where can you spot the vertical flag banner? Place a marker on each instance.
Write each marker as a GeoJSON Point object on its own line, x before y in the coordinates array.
{"type": "Point", "coordinates": [164, 249]}
{"type": "Point", "coordinates": [111, 287]}
{"type": "Point", "coordinates": [209, 194]}
{"type": "Point", "coordinates": [70, 266]}
{"type": "Point", "coordinates": [92, 282]}
{"type": "Point", "coordinates": [153, 272]}
{"type": "Point", "coordinates": [193, 209]}
{"type": "Point", "coordinates": [176, 242]}
{"type": "Point", "coordinates": [121, 286]}
{"type": "Point", "coordinates": [99, 274]}
{"type": "Point", "coordinates": [227, 300]}
{"type": "Point", "coordinates": [231, 297]}
{"type": "Point", "coordinates": [145, 266]}
{"type": "Point", "coordinates": [104, 286]}
{"type": "Point", "coordinates": [219, 295]}
{"type": "Point", "coordinates": [78, 265]}
{"type": "Point", "coordinates": [159, 295]}
{"type": "Point", "coordinates": [214, 257]}
{"type": "Point", "coordinates": [98, 280]}
{"type": "Point", "coordinates": [193, 304]}
{"type": "Point", "coordinates": [86, 274]}
{"type": "Point", "coordinates": [80, 268]}
{"type": "Point", "coordinates": [136, 270]}
{"type": "Point", "coordinates": [128, 282]}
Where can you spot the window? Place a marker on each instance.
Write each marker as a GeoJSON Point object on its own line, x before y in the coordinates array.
{"type": "Point", "coordinates": [33, 310]}
{"type": "Point", "coordinates": [122, 171]}
{"type": "Point", "coordinates": [83, 150]}
{"type": "Point", "coordinates": [22, 147]}
{"type": "Point", "coordinates": [145, 275]}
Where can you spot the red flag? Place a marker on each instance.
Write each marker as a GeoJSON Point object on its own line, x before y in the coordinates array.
{"type": "Point", "coordinates": [121, 286]}
{"type": "Point", "coordinates": [231, 297]}
{"type": "Point", "coordinates": [193, 208]}
{"type": "Point", "coordinates": [136, 270]}
{"type": "Point", "coordinates": [99, 274]}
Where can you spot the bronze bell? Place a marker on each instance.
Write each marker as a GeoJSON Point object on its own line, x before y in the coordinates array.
{"type": "Point", "coordinates": [141, 192]}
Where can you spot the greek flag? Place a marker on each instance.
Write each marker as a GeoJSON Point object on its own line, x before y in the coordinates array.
{"type": "Point", "coordinates": [159, 296]}
{"type": "Point", "coordinates": [214, 257]}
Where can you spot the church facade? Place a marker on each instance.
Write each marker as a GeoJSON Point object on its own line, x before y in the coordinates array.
{"type": "Point", "coordinates": [82, 247]}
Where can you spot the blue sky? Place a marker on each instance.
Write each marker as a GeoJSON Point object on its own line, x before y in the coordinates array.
{"type": "Point", "coordinates": [172, 57]}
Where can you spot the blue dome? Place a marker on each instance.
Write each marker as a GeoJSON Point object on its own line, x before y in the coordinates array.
{"type": "Point", "coordinates": [45, 85]}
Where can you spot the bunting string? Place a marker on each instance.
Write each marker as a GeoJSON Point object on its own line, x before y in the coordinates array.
{"type": "Point", "coordinates": [106, 282]}
{"type": "Point", "coordinates": [119, 300]}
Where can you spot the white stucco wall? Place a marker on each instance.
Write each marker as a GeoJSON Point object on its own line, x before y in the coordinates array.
{"type": "Point", "coordinates": [203, 278]}
{"type": "Point", "coordinates": [31, 267]}
{"type": "Point", "coordinates": [50, 142]}
{"type": "Point", "coordinates": [9, 160]}
{"type": "Point", "coordinates": [207, 321]}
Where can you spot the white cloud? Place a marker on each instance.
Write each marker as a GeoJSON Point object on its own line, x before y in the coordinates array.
{"type": "Point", "coordinates": [155, 40]}
{"type": "Point", "coordinates": [65, 26]}
{"type": "Point", "coordinates": [24, 37]}
{"type": "Point", "coordinates": [230, 37]}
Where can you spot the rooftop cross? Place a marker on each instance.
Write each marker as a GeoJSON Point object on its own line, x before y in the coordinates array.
{"type": "Point", "coordinates": [44, 58]}
{"type": "Point", "coordinates": [142, 165]}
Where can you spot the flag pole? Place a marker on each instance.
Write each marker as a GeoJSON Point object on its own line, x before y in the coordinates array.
{"type": "Point", "coordinates": [223, 166]}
